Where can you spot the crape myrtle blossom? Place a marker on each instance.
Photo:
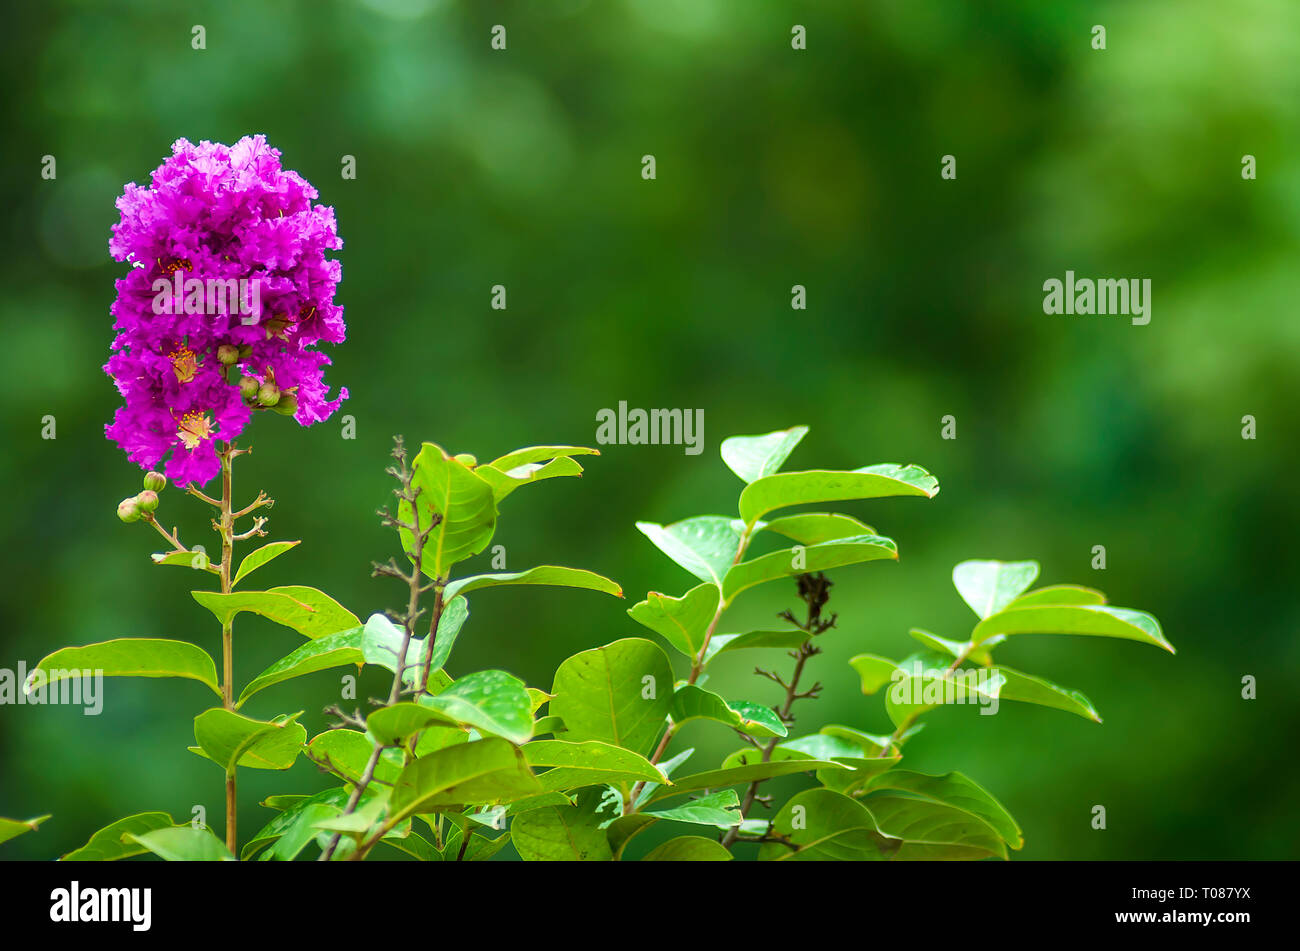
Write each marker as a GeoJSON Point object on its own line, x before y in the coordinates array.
{"type": "Point", "coordinates": [213, 212]}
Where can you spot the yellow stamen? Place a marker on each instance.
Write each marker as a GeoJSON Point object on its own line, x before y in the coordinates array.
{"type": "Point", "coordinates": [185, 364]}
{"type": "Point", "coordinates": [194, 428]}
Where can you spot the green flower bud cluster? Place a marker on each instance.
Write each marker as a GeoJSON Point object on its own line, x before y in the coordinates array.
{"type": "Point", "coordinates": [146, 502]}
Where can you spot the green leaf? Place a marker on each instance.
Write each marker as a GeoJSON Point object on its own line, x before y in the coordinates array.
{"type": "Point", "coordinates": [825, 485]}
{"type": "Point", "coordinates": [683, 621]}
{"type": "Point", "coordinates": [820, 824]}
{"type": "Point", "coordinates": [310, 612]}
{"type": "Point", "coordinates": [796, 561]}
{"type": "Point", "coordinates": [560, 834]}
{"type": "Point", "coordinates": [620, 693]}
{"type": "Point", "coordinates": [719, 809]}
{"type": "Point", "coordinates": [486, 771]}
{"type": "Point", "coordinates": [689, 848]}
{"type": "Point", "coordinates": [753, 457]}
{"type": "Point", "coordinates": [534, 454]}
{"type": "Point", "coordinates": [723, 643]}
{"type": "Point", "coordinates": [465, 502]}
{"type": "Point", "coordinates": [1093, 619]}
{"type": "Point", "coordinates": [941, 644]}
{"type": "Point", "coordinates": [543, 574]}
{"type": "Point", "coordinates": [341, 649]}
{"type": "Point", "coordinates": [256, 559]}
{"type": "Point", "coordinates": [294, 828]}
{"type": "Point", "coordinates": [196, 559]}
{"type": "Point", "coordinates": [349, 751]}
{"type": "Point", "coordinates": [12, 828]}
{"type": "Point", "coordinates": [394, 724]}
{"type": "Point", "coordinates": [989, 586]}
{"type": "Point", "coordinates": [916, 693]}
{"type": "Point", "coordinates": [588, 764]}
{"type": "Point", "coordinates": [107, 844]}
{"type": "Point", "coordinates": [548, 725]}
{"type": "Point", "coordinates": [813, 528]}
{"type": "Point", "coordinates": [1044, 693]}
{"type": "Point", "coordinates": [874, 671]}
{"type": "Point", "coordinates": [183, 844]}
{"type": "Point", "coordinates": [930, 829]}
{"type": "Point", "coordinates": [705, 546]}
{"type": "Point", "coordinates": [957, 791]}
{"type": "Point", "coordinates": [503, 483]}
{"type": "Point", "coordinates": [230, 739]}
{"type": "Point", "coordinates": [490, 701]}
{"type": "Point", "coordinates": [1059, 594]}
{"type": "Point", "coordinates": [455, 612]}
{"type": "Point", "coordinates": [693, 702]}
{"type": "Point", "coordinates": [718, 778]}
{"type": "Point", "coordinates": [855, 755]}
{"type": "Point", "coordinates": [131, 657]}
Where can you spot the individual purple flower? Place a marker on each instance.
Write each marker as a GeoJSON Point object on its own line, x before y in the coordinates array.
{"type": "Point", "coordinates": [228, 255]}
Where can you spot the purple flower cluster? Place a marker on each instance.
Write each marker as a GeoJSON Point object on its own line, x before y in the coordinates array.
{"type": "Point", "coordinates": [192, 374]}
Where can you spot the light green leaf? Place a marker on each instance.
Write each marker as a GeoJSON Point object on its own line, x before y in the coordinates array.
{"type": "Point", "coordinates": [293, 829]}
{"type": "Point", "coordinates": [130, 657]}
{"type": "Point", "coordinates": [503, 483]}
{"type": "Point", "coordinates": [875, 671]}
{"type": "Point", "coordinates": [931, 829]}
{"type": "Point", "coordinates": [957, 791]}
{"type": "Point", "coordinates": [718, 778]}
{"type": "Point", "coordinates": [107, 844]}
{"type": "Point", "coordinates": [12, 828]}
{"type": "Point", "coordinates": [560, 834]}
{"type": "Point", "coordinates": [681, 621]}
{"type": "Point", "coordinates": [490, 701]}
{"type": "Point", "coordinates": [752, 457]}
{"type": "Point", "coordinates": [196, 559]}
{"type": "Point", "coordinates": [832, 827]}
{"type": "Point", "coordinates": [689, 848]}
{"type": "Point", "coordinates": [484, 772]}
{"type": "Point", "coordinates": [454, 615]}
{"type": "Point", "coordinates": [534, 454]}
{"type": "Point", "coordinates": [349, 751]}
{"type": "Point", "coordinates": [1059, 594]}
{"type": "Point", "coordinates": [229, 739]}
{"type": "Point", "coordinates": [543, 574]}
{"type": "Point", "coordinates": [341, 649]}
{"type": "Point", "coordinates": [813, 528]}
{"type": "Point", "coordinates": [989, 586]}
{"type": "Point", "coordinates": [256, 559]}
{"type": "Point", "coordinates": [720, 809]}
{"type": "Point", "coordinates": [183, 844]}
{"type": "Point", "coordinates": [797, 561]}
{"type": "Point", "coordinates": [588, 764]}
{"type": "Point", "coordinates": [693, 702]}
{"type": "Point", "coordinates": [310, 612]}
{"type": "Point", "coordinates": [620, 693]}
{"type": "Point", "coordinates": [723, 643]}
{"type": "Point", "coordinates": [466, 503]}
{"type": "Point", "coordinates": [1093, 619]}
{"type": "Point", "coordinates": [825, 485]}
{"type": "Point", "coordinates": [1044, 693]}
{"type": "Point", "coordinates": [705, 546]}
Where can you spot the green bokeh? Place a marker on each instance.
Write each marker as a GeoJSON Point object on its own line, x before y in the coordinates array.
{"type": "Point", "coordinates": [775, 168]}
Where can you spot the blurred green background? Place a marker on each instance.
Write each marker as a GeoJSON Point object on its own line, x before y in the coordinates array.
{"type": "Point", "coordinates": [775, 168]}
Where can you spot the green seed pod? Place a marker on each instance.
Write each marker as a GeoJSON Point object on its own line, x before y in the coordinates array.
{"type": "Point", "coordinates": [147, 501]}
{"type": "Point", "coordinates": [245, 352]}
{"type": "Point", "coordinates": [248, 387]}
{"type": "Point", "coordinates": [268, 394]}
{"type": "Point", "coordinates": [128, 511]}
{"type": "Point", "coordinates": [228, 354]}
{"type": "Point", "coordinates": [155, 481]}
{"type": "Point", "coordinates": [287, 406]}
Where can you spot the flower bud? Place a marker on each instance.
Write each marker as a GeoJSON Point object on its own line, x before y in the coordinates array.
{"type": "Point", "coordinates": [465, 459]}
{"type": "Point", "coordinates": [245, 351]}
{"type": "Point", "coordinates": [287, 406]}
{"type": "Point", "coordinates": [248, 387]}
{"type": "Point", "coordinates": [147, 501]}
{"type": "Point", "coordinates": [155, 481]}
{"type": "Point", "coordinates": [128, 511]}
{"type": "Point", "coordinates": [228, 354]}
{"type": "Point", "coordinates": [268, 394]}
